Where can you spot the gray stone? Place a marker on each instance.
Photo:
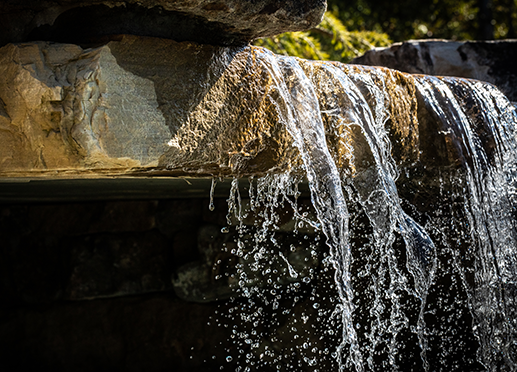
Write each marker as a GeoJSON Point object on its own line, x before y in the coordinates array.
{"type": "Point", "coordinates": [490, 61]}
{"type": "Point", "coordinates": [207, 21]}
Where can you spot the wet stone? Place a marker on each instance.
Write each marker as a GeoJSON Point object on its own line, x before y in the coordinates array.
{"type": "Point", "coordinates": [490, 61]}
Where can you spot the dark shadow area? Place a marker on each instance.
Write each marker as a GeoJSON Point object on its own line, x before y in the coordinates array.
{"type": "Point", "coordinates": [87, 25]}
{"type": "Point", "coordinates": [86, 285]}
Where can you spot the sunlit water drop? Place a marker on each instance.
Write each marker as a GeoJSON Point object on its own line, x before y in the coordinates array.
{"type": "Point", "coordinates": [411, 280]}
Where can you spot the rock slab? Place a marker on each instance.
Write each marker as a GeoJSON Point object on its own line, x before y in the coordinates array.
{"type": "Point", "coordinates": [150, 103]}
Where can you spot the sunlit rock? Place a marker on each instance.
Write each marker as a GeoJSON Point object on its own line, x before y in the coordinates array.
{"type": "Point", "coordinates": [145, 103]}
{"type": "Point", "coordinates": [491, 61]}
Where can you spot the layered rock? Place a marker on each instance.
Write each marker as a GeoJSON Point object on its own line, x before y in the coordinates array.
{"type": "Point", "coordinates": [207, 21]}
{"type": "Point", "coordinates": [490, 61]}
{"type": "Point", "coordinates": [118, 106]}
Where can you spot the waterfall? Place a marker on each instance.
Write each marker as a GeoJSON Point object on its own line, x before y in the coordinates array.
{"type": "Point", "coordinates": [414, 263]}
{"type": "Point", "coordinates": [486, 139]}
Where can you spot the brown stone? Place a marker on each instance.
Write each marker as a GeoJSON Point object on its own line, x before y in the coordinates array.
{"type": "Point", "coordinates": [146, 106]}
{"type": "Point", "coordinates": [207, 110]}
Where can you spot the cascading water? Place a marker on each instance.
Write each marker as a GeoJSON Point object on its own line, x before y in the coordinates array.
{"type": "Point", "coordinates": [486, 139]}
{"type": "Point", "coordinates": [424, 265]}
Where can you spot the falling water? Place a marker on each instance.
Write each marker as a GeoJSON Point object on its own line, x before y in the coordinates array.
{"type": "Point", "coordinates": [486, 139]}
{"type": "Point", "coordinates": [426, 255]}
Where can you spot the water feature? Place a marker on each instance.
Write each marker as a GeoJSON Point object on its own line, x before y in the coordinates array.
{"type": "Point", "coordinates": [413, 182]}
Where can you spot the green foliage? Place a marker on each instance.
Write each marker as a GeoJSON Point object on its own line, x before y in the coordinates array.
{"type": "Point", "coordinates": [410, 19]}
{"type": "Point", "coordinates": [355, 26]}
{"type": "Point", "coordinates": [329, 41]}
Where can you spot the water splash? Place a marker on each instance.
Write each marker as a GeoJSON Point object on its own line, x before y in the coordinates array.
{"type": "Point", "coordinates": [211, 206]}
{"type": "Point", "coordinates": [486, 139]}
{"type": "Point", "coordinates": [303, 120]}
{"type": "Point", "coordinates": [361, 135]}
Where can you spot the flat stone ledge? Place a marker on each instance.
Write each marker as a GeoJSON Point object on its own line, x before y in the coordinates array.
{"type": "Point", "coordinates": [27, 190]}
{"type": "Point", "coordinates": [42, 190]}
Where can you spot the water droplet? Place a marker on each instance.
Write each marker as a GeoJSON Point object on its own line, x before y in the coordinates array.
{"type": "Point", "coordinates": [229, 358]}
{"type": "Point", "coordinates": [211, 206]}
{"type": "Point", "coordinates": [225, 230]}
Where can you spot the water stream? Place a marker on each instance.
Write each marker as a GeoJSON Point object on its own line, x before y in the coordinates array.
{"type": "Point", "coordinates": [421, 240]}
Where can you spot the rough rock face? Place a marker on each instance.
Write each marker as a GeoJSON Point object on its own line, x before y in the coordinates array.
{"type": "Point", "coordinates": [491, 61]}
{"type": "Point", "coordinates": [191, 109]}
{"type": "Point", "coordinates": [88, 285]}
{"type": "Point", "coordinates": [207, 21]}
{"type": "Point", "coordinates": [118, 106]}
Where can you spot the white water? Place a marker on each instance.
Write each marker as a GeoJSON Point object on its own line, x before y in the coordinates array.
{"type": "Point", "coordinates": [489, 206]}
{"type": "Point", "coordinates": [383, 294]}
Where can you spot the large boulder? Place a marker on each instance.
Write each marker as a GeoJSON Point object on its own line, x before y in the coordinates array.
{"type": "Point", "coordinates": [490, 61]}
{"type": "Point", "coordinates": [135, 103]}
{"type": "Point", "coordinates": [181, 107]}
{"type": "Point", "coordinates": [205, 21]}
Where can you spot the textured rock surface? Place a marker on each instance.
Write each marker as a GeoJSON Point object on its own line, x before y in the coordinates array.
{"type": "Point", "coordinates": [206, 21]}
{"type": "Point", "coordinates": [491, 61]}
{"type": "Point", "coordinates": [199, 110]}
{"type": "Point", "coordinates": [118, 106]}
{"type": "Point", "coordinates": [84, 250]}
{"type": "Point", "coordinates": [79, 251]}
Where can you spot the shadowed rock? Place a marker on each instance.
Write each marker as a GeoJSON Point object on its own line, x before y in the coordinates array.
{"type": "Point", "coordinates": [206, 21]}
